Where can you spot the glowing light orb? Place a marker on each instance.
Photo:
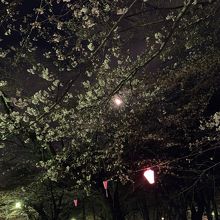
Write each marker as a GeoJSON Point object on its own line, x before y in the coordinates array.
{"type": "Point", "coordinates": [118, 101]}
{"type": "Point", "coordinates": [149, 175]}
{"type": "Point", "coordinates": [18, 205]}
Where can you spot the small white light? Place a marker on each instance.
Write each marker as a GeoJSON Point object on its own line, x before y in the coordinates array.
{"type": "Point", "coordinates": [162, 218]}
{"type": "Point", "coordinates": [117, 101]}
{"type": "Point", "coordinates": [18, 205]}
{"type": "Point", "coordinates": [73, 218]}
{"type": "Point", "coordinates": [213, 213]}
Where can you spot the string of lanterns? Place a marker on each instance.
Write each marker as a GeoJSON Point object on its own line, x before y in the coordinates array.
{"type": "Point", "coordinates": [148, 174]}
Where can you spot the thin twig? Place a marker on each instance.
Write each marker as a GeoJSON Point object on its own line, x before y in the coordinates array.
{"type": "Point", "coordinates": [113, 28]}
{"type": "Point", "coordinates": [138, 66]}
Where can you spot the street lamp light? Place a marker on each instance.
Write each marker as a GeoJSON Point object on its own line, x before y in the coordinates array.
{"type": "Point", "coordinates": [117, 100]}
{"type": "Point", "coordinates": [18, 205]}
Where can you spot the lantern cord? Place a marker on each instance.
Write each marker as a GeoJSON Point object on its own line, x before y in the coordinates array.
{"type": "Point", "coordinates": [174, 160]}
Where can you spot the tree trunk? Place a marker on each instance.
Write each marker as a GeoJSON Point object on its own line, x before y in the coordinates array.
{"type": "Point", "coordinates": [144, 209]}
{"type": "Point", "coordinates": [116, 210]}
{"type": "Point", "coordinates": [93, 211]}
{"type": "Point", "coordinates": [197, 215]}
{"type": "Point", "coordinates": [84, 210]}
{"type": "Point", "coordinates": [41, 212]}
{"type": "Point", "coordinates": [115, 205]}
{"type": "Point", "coordinates": [56, 214]}
{"type": "Point", "coordinates": [215, 210]}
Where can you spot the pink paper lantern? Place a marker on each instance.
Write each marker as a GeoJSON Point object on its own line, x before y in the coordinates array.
{"type": "Point", "coordinates": [149, 175]}
{"type": "Point", "coordinates": [75, 201]}
{"type": "Point", "coordinates": [105, 184]}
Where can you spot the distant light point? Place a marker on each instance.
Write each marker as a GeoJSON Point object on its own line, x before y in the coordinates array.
{"type": "Point", "coordinates": [117, 101]}
{"type": "Point", "coordinates": [18, 205]}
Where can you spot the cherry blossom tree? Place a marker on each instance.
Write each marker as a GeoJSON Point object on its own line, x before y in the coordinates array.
{"type": "Point", "coordinates": [88, 100]}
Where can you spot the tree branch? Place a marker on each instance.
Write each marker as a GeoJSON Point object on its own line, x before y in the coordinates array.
{"type": "Point", "coordinates": [145, 62]}
{"type": "Point", "coordinates": [113, 28]}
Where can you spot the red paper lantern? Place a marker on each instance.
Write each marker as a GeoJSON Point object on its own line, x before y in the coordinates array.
{"type": "Point", "coordinates": [75, 201]}
{"type": "Point", "coordinates": [149, 175]}
{"type": "Point", "coordinates": [105, 184]}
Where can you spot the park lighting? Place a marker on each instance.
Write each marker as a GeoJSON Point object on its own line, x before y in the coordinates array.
{"type": "Point", "coordinates": [149, 175]}
{"type": "Point", "coordinates": [117, 101]}
{"type": "Point", "coordinates": [73, 218]}
{"type": "Point", "coordinates": [18, 205]}
{"type": "Point", "coordinates": [162, 218]}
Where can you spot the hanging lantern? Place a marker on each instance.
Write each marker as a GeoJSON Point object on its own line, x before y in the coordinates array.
{"type": "Point", "coordinates": [149, 175]}
{"type": "Point", "coordinates": [105, 184]}
{"type": "Point", "coordinates": [75, 201]}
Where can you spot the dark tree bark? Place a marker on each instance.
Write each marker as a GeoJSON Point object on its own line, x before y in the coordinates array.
{"type": "Point", "coordinates": [197, 215]}
{"type": "Point", "coordinates": [93, 212]}
{"type": "Point", "coordinates": [215, 210]}
{"type": "Point", "coordinates": [84, 210]}
{"type": "Point", "coordinates": [144, 209]}
{"type": "Point", "coordinates": [115, 205]}
{"type": "Point", "coordinates": [41, 212]}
